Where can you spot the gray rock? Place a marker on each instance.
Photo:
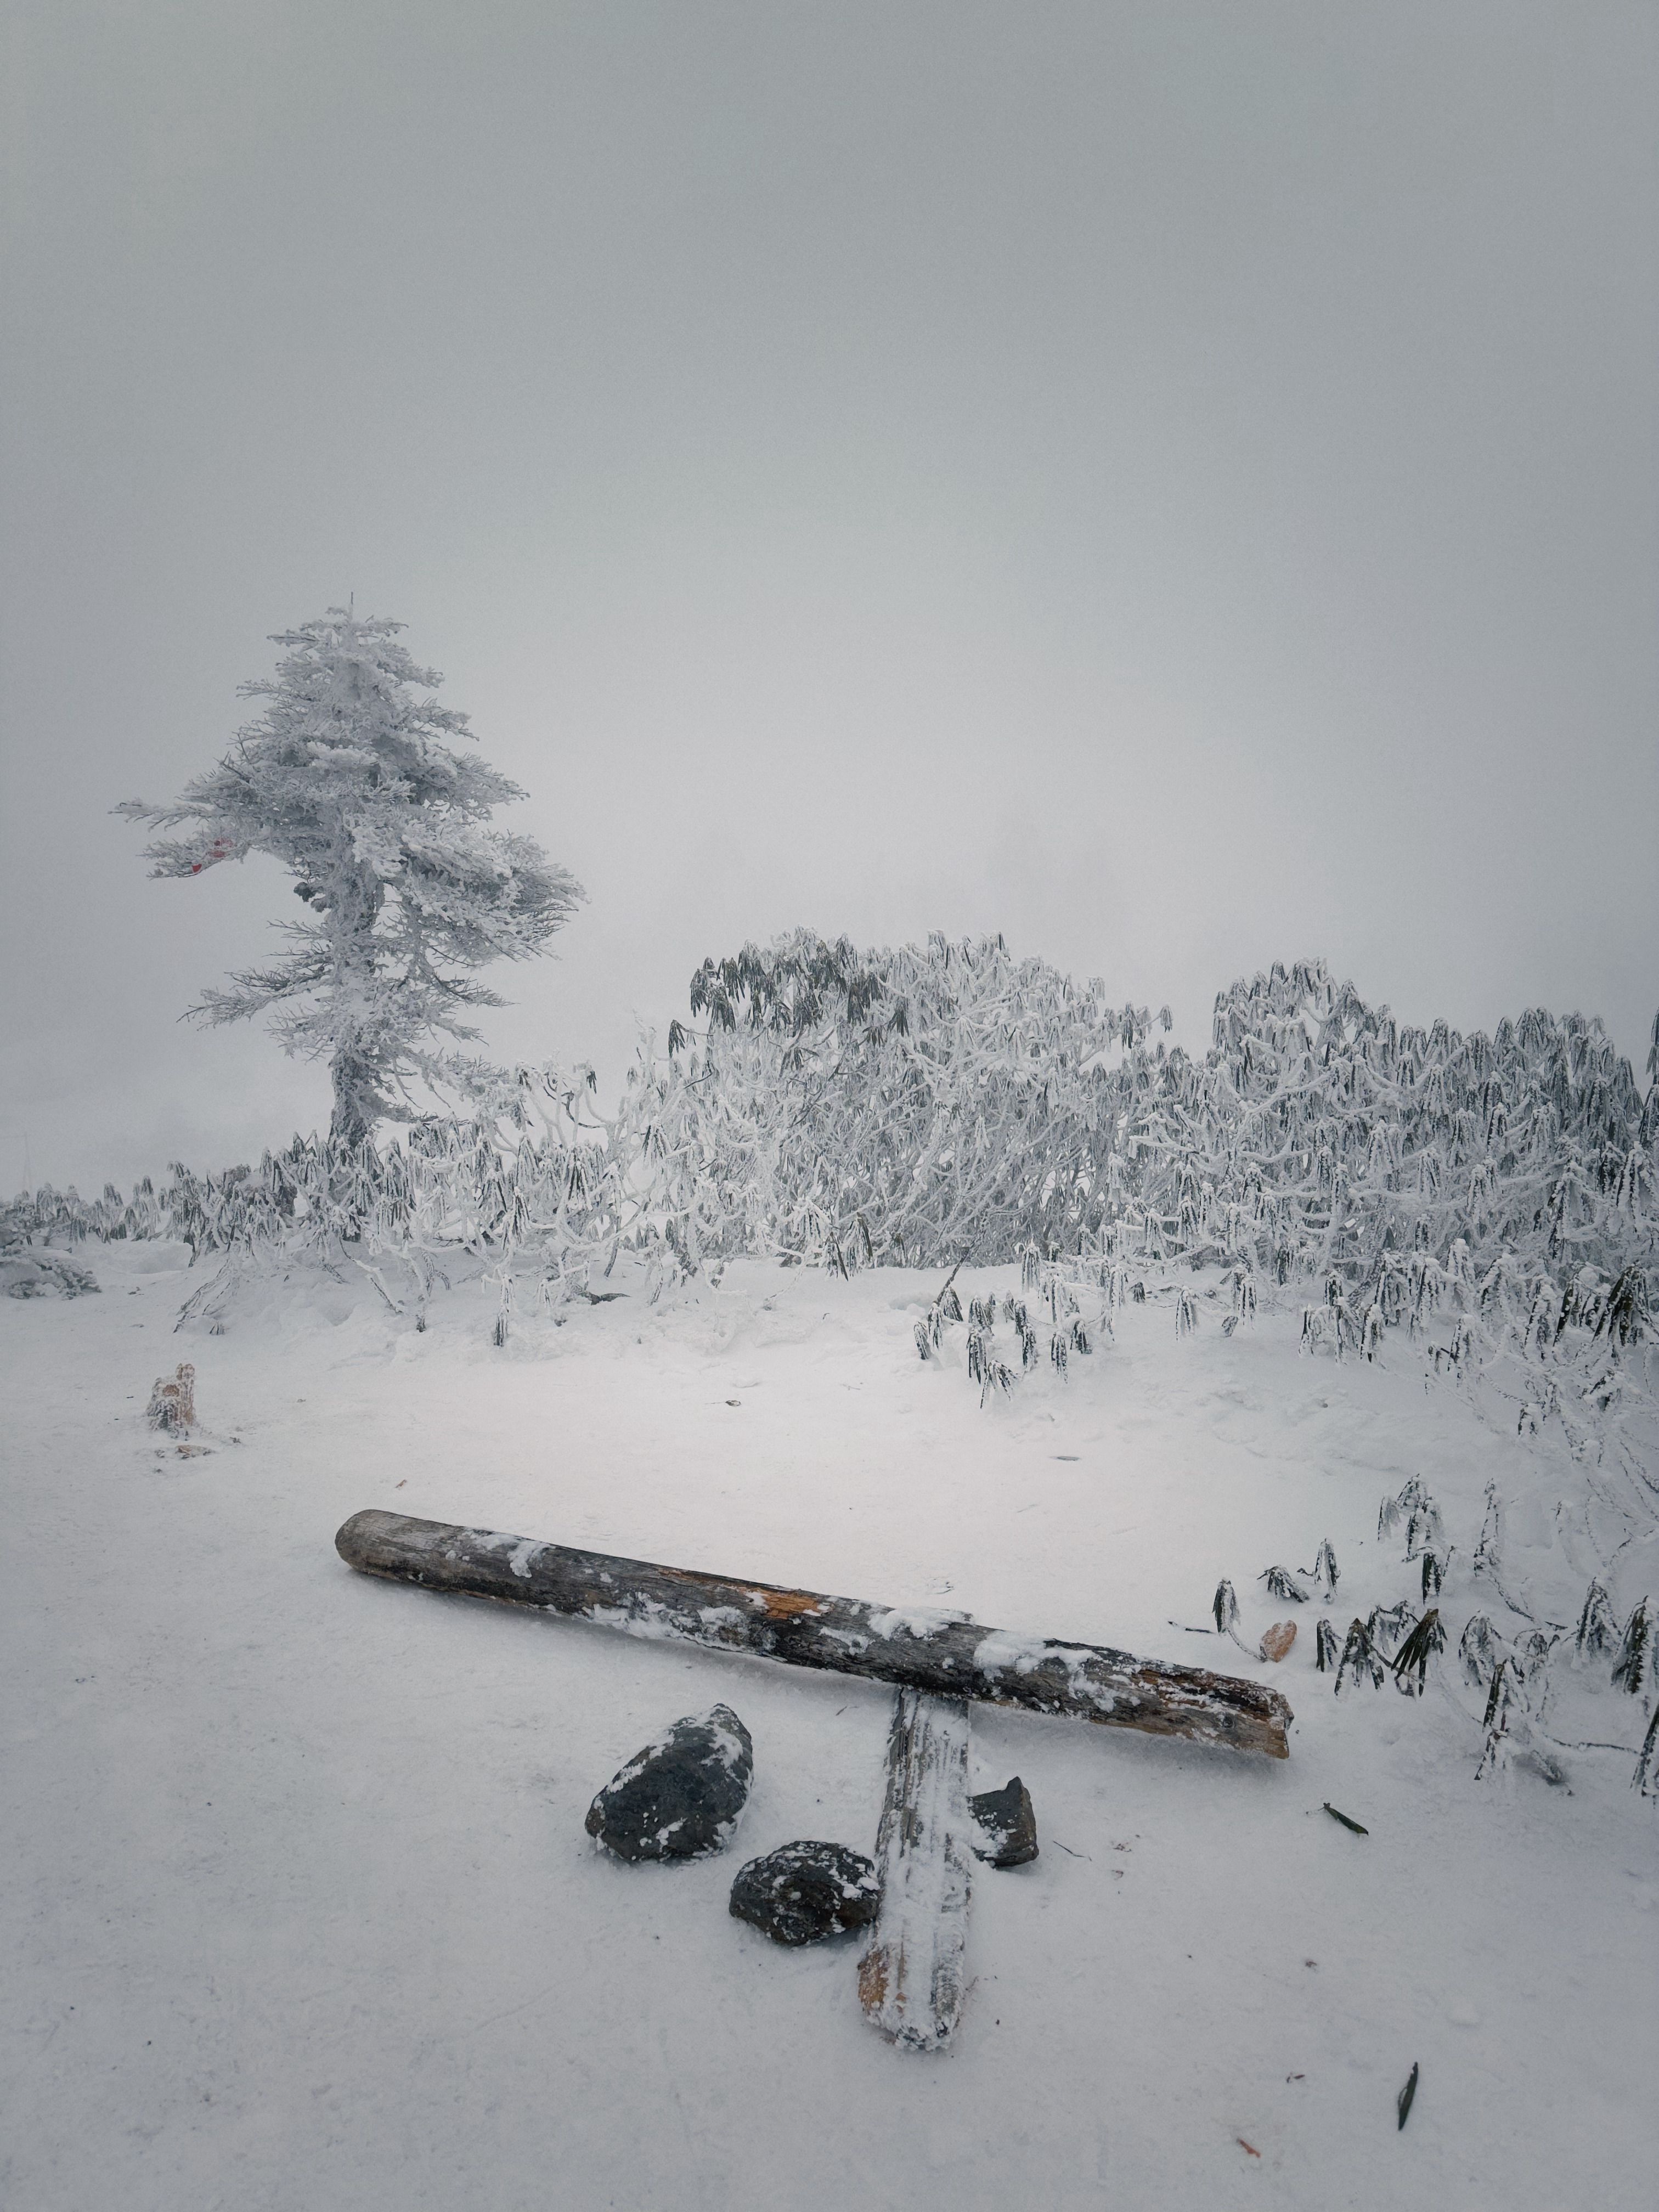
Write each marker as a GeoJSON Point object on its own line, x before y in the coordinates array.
{"type": "Point", "coordinates": [1005, 1825]}
{"type": "Point", "coordinates": [802, 1893]}
{"type": "Point", "coordinates": [680, 1797]}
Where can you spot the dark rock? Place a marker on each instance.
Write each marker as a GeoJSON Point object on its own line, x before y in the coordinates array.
{"type": "Point", "coordinates": [680, 1797]}
{"type": "Point", "coordinates": [802, 1893]}
{"type": "Point", "coordinates": [1005, 1825]}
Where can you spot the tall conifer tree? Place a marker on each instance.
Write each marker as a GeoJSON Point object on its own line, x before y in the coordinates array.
{"type": "Point", "coordinates": [347, 779]}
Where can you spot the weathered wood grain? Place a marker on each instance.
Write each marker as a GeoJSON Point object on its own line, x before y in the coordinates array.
{"type": "Point", "coordinates": [911, 1978]}
{"type": "Point", "coordinates": [915, 1648]}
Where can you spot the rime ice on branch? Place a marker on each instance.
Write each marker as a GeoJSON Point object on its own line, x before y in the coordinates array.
{"type": "Point", "coordinates": [347, 779]}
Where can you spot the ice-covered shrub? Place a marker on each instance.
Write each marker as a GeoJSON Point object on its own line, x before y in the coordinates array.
{"type": "Point", "coordinates": [1493, 1198]}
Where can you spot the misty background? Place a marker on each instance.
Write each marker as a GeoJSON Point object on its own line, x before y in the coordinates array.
{"type": "Point", "coordinates": [1173, 483]}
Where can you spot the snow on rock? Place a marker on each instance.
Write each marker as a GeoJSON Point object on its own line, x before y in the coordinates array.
{"type": "Point", "coordinates": [804, 1892]}
{"type": "Point", "coordinates": [680, 1797]}
{"type": "Point", "coordinates": [44, 1274]}
{"type": "Point", "coordinates": [1005, 1822]}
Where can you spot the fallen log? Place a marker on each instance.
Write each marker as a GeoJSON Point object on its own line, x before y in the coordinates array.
{"type": "Point", "coordinates": [916, 1648]}
{"type": "Point", "coordinates": [910, 1979]}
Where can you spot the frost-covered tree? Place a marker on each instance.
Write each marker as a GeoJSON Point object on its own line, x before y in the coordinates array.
{"type": "Point", "coordinates": [347, 779]}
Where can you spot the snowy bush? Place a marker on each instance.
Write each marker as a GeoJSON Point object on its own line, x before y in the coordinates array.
{"type": "Point", "coordinates": [1488, 1202]}
{"type": "Point", "coordinates": [922, 1106]}
{"type": "Point", "coordinates": [947, 1102]}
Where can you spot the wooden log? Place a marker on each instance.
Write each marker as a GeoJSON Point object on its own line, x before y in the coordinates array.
{"type": "Point", "coordinates": [910, 1979]}
{"type": "Point", "coordinates": [915, 1648]}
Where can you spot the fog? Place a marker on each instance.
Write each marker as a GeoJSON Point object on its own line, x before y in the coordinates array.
{"type": "Point", "coordinates": [1175, 484]}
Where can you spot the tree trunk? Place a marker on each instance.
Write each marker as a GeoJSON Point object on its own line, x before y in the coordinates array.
{"type": "Point", "coordinates": [353, 1080]}
{"type": "Point", "coordinates": [910, 1979]}
{"type": "Point", "coordinates": [915, 1647]}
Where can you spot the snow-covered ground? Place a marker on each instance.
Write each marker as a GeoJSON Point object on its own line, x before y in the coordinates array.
{"type": "Point", "coordinates": [301, 1911]}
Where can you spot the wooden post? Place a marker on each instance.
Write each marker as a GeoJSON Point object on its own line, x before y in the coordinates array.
{"type": "Point", "coordinates": [910, 1979]}
{"type": "Point", "coordinates": [940, 1654]}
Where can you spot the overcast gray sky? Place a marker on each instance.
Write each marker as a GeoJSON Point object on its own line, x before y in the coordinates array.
{"type": "Point", "coordinates": [1173, 483]}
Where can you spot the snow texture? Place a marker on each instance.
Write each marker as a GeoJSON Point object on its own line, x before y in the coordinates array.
{"type": "Point", "coordinates": [301, 1911]}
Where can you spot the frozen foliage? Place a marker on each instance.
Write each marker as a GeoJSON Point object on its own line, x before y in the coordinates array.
{"type": "Point", "coordinates": [1598, 1628]}
{"type": "Point", "coordinates": [1419, 1512]}
{"type": "Point", "coordinates": [1296, 1585]}
{"type": "Point", "coordinates": [29, 1271]}
{"type": "Point", "coordinates": [1522, 1675]}
{"type": "Point", "coordinates": [1647, 1764]}
{"type": "Point", "coordinates": [1492, 1196]}
{"type": "Point", "coordinates": [1426, 1641]}
{"type": "Point", "coordinates": [944, 1102]}
{"type": "Point", "coordinates": [1634, 1662]}
{"type": "Point", "coordinates": [349, 779]}
{"type": "Point", "coordinates": [1495, 1198]}
{"type": "Point", "coordinates": [533, 1187]}
{"type": "Point", "coordinates": [1224, 1610]}
{"type": "Point", "coordinates": [1283, 1584]}
{"type": "Point", "coordinates": [1518, 1674]}
{"type": "Point", "coordinates": [172, 1406]}
{"type": "Point", "coordinates": [1360, 1657]}
{"type": "Point", "coordinates": [924, 1105]}
{"type": "Point", "coordinates": [1486, 1206]}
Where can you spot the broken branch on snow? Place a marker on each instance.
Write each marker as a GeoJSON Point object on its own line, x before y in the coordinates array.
{"type": "Point", "coordinates": [910, 1979]}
